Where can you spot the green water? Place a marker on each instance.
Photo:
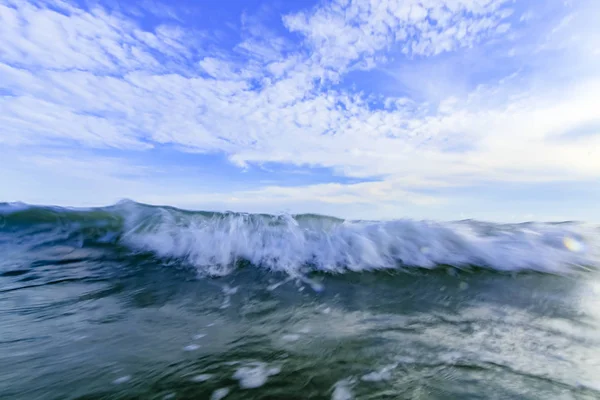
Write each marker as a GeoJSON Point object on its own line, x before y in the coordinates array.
{"type": "Point", "coordinates": [424, 335]}
{"type": "Point", "coordinates": [139, 302]}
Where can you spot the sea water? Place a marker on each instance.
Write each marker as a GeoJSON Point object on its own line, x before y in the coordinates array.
{"type": "Point", "coordinates": [140, 302]}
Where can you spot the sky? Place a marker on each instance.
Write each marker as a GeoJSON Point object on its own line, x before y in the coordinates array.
{"type": "Point", "coordinates": [362, 109]}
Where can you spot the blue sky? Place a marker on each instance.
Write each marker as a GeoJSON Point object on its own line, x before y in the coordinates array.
{"type": "Point", "coordinates": [445, 109]}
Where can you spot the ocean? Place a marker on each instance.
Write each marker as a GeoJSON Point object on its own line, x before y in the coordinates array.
{"type": "Point", "coordinates": [133, 301]}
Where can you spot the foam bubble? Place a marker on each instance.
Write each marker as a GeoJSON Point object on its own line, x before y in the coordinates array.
{"type": "Point", "coordinates": [292, 337]}
{"type": "Point", "coordinates": [230, 290]}
{"type": "Point", "coordinates": [227, 291]}
{"type": "Point", "coordinates": [123, 379]}
{"type": "Point", "coordinates": [219, 394]}
{"type": "Point", "coordinates": [405, 360]}
{"type": "Point", "coordinates": [201, 378]}
{"type": "Point", "coordinates": [342, 390]}
{"type": "Point", "coordinates": [191, 347]}
{"type": "Point", "coordinates": [254, 375]}
{"type": "Point", "coordinates": [277, 284]}
{"type": "Point", "coordinates": [383, 374]}
{"type": "Point", "coordinates": [199, 336]}
{"type": "Point", "coordinates": [451, 358]}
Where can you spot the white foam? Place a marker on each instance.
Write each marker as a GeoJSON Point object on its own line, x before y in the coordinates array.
{"type": "Point", "coordinates": [305, 329]}
{"type": "Point", "coordinates": [254, 375]}
{"type": "Point", "coordinates": [451, 358]}
{"type": "Point", "coordinates": [201, 378]}
{"type": "Point", "coordinates": [122, 379]}
{"type": "Point", "coordinates": [291, 337]}
{"type": "Point", "coordinates": [277, 284]}
{"type": "Point", "coordinates": [383, 374]}
{"type": "Point", "coordinates": [213, 243]}
{"type": "Point", "coordinates": [199, 336]}
{"type": "Point", "coordinates": [405, 360]}
{"type": "Point", "coordinates": [228, 292]}
{"type": "Point", "coordinates": [342, 390]}
{"type": "Point", "coordinates": [219, 394]}
{"type": "Point", "coordinates": [274, 371]}
{"type": "Point", "coordinates": [191, 347]}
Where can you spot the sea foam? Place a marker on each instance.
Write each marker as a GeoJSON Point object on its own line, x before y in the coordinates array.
{"type": "Point", "coordinates": [215, 243]}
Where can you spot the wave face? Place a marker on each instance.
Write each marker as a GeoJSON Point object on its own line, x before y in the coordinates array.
{"type": "Point", "coordinates": [214, 243]}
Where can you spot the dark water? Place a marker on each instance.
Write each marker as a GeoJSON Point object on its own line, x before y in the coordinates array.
{"type": "Point", "coordinates": [85, 315]}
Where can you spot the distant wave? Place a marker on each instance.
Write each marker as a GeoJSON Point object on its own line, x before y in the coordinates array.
{"type": "Point", "coordinates": [214, 243]}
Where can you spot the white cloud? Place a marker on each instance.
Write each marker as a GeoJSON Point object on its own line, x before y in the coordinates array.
{"type": "Point", "coordinates": [94, 79]}
{"type": "Point", "coordinates": [44, 176]}
{"type": "Point", "coordinates": [343, 31]}
{"type": "Point", "coordinates": [64, 37]}
{"type": "Point", "coordinates": [271, 197]}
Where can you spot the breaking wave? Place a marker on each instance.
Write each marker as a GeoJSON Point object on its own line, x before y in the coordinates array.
{"type": "Point", "coordinates": [214, 243]}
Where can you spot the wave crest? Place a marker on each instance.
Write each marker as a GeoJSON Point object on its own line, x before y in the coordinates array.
{"type": "Point", "coordinates": [215, 242]}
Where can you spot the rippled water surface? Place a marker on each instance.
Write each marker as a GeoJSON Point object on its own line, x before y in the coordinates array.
{"type": "Point", "coordinates": [89, 309]}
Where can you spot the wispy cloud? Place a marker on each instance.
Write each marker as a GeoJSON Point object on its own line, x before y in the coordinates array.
{"type": "Point", "coordinates": [96, 78]}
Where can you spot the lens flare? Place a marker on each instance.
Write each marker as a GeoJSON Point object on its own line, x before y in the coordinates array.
{"type": "Point", "coordinates": [573, 245]}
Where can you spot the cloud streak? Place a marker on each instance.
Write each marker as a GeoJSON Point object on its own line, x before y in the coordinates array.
{"type": "Point", "coordinates": [93, 78]}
